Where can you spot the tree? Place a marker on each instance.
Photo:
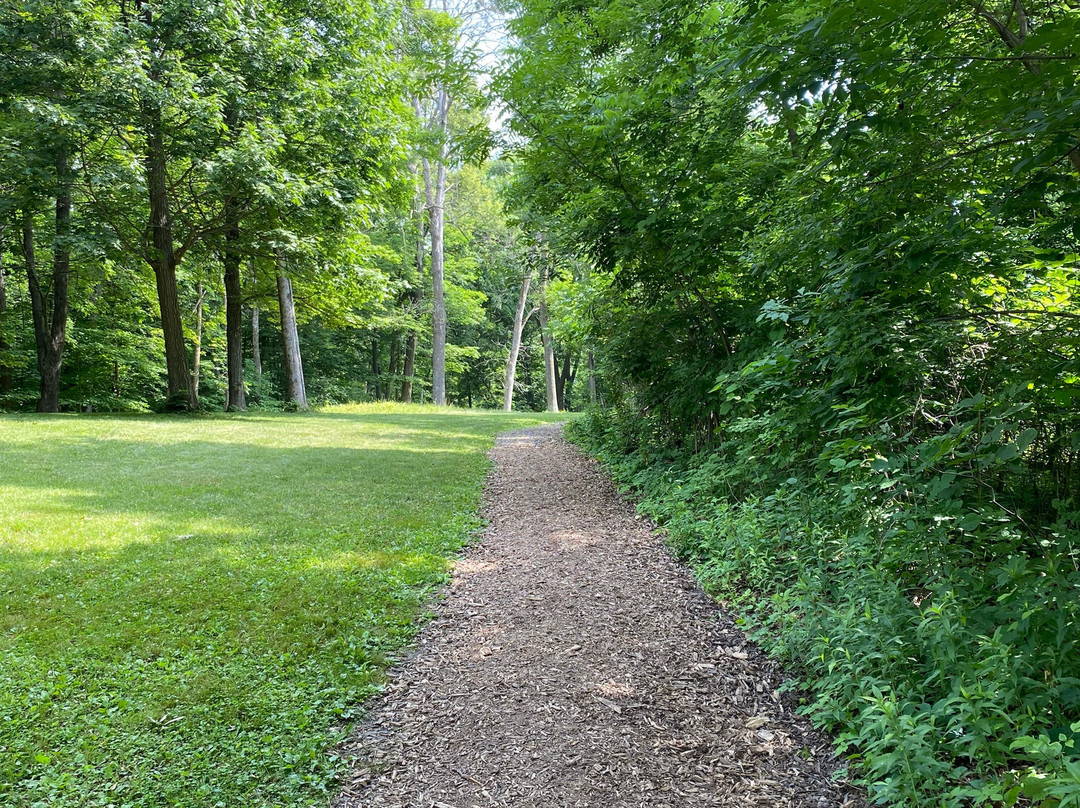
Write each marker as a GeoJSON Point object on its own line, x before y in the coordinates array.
{"type": "Point", "coordinates": [520, 321]}
{"type": "Point", "coordinates": [451, 36]}
{"type": "Point", "coordinates": [49, 66]}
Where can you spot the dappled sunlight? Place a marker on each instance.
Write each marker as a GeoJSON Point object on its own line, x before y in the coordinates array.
{"type": "Point", "coordinates": [615, 690]}
{"type": "Point", "coordinates": [470, 566]}
{"type": "Point", "coordinates": [574, 538]}
{"type": "Point", "coordinates": [154, 568]}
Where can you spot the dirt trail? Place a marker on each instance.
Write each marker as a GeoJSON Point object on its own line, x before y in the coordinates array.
{"type": "Point", "coordinates": [573, 663]}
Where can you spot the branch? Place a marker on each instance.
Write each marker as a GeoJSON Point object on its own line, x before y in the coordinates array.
{"type": "Point", "coordinates": [527, 316]}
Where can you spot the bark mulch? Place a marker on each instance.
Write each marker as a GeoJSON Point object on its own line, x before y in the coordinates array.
{"type": "Point", "coordinates": [573, 662]}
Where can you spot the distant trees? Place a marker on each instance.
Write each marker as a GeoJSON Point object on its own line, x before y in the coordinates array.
{"type": "Point", "coordinates": [170, 170]}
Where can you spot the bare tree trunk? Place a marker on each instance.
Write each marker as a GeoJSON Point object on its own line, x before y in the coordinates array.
{"type": "Point", "coordinates": [592, 377]}
{"type": "Point", "coordinates": [234, 321]}
{"type": "Point", "coordinates": [376, 390]}
{"type": "Point", "coordinates": [435, 191]}
{"type": "Point", "coordinates": [561, 372]}
{"type": "Point", "coordinates": [50, 327]}
{"type": "Point", "coordinates": [410, 367]}
{"type": "Point", "coordinates": [389, 393]}
{"type": "Point", "coordinates": [515, 342]}
{"type": "Point", "coordinates": [196, 362]}
{"type": "Point", "coordinates": [564, 380]}
{"type": "Point", "coordinates": [436, 208]}
{"type": "Point", "coordinates": [5, 370]}
{"type": "Point", "coordinates": [549, 344]}
{"type": "Point", "coordinates": [549, 368]}
{"type": "Point", "coordinates": [234, 311]}
{"type": "Point", "coordinates": [163, 261]}
{"type": "Point", "coordinates": [410, 341]}
{"type": "Point", "coordinates": [295, 393]}
{"type": "Point", "coordinates": [256, 349]}
{"type": "Point", "coordinates": [549, 354]}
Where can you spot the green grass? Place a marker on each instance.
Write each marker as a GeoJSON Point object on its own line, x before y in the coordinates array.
{"type": "Point", "coordinates": [193, 610]}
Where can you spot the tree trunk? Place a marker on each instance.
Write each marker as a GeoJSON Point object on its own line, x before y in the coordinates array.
{"type": "Point", "coordinates": [395, 367]}
{"type": "Point", "coordinates": [549, 346]}
{"type": "Point", "coordinates": [196, 362]}
{"type": "Point", "coordinates": [410, 341]}
{"type": "Point", "coordinates": [234, 312]}
{"type": "Point", "coordinates": [529, 383]}
{"type": "Point", "coordinates": [50, 327]}
{"type": "Point", "coordinates": [410, 367]}
{"type": "Point", "coordinates": [163, 261]}
{"type": "Point", "coordinates": [561, 372]}
{"type": "Point", "coordinates": [592, 377]}
{"type": "Point", "coordinates": [5, 370]}
{"type": "Point", "coordinates": [295, 392]}
{"type": "Point", "coordinates": [515, 343]}
{"type": "Point", "coordinates": [234, 319]}
{"type": "Point", "coordinates": [437, 213]}
{"type": "Point", "coordinates": [435, 191]}
{"type": "Point", "coordinates": [549, 371]}
{"type": "Point", "coordinates": [563, 381]}
{"type": "Point", "coordinates": [376, 390]}
{"type": "Point", "coordinates": [256, 351]}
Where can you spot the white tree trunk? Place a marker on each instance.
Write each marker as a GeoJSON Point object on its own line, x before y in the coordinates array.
{"type": "Point", "coordinates": [295, 392]}
{"type": "Point", "coordinates": [549, 370]}
{"type": "Point", "coordinates": [435, 192]}
{"type": "Point", "coordinates": [256, 348]}
{"type": "Point", "coordinates": [438, 307]}
{"type": "Point", "coordinates": [515, 343]}
{"type": "Point", "coordinates": [549, 349]}
{"type": "Point", "coordinates": [196, 363]}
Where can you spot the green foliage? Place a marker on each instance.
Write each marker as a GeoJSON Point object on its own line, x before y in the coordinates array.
{"type": "Point", "coordinates": [927, 652]}
{"type": "Point", "coordinates": [840, 336]}
{"type": "Point", "coordinates": [229, 591]}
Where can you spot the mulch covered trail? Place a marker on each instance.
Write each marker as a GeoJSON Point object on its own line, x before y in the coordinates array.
{"type": "Point", "coordinates": [574, 662]}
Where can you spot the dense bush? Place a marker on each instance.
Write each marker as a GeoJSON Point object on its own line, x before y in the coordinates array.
{"type": "Point", "coordinates": [936, 635]}
{"type": "Point", "coordinates": [840, 339]}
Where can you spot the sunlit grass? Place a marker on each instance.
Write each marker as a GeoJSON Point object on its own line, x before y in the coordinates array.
{"type": "Point", "coordinates": [193, 609]}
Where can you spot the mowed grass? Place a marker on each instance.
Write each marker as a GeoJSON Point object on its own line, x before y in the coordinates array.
{"type": "Point", "coordinates": [192, 610]}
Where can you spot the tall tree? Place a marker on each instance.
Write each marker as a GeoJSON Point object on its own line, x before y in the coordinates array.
{"type": "Point", "coordinates": [520, 319]}
{"type": "Point", "coordinates": [50, 60]}
{"type": "Point", "coordinates": [5, 368]}
{"type": "Point", "coordinates": [295, 389]}
{"type": "Point", "coordinates": [50, 305]}
{"type": "Point", "coordinates": [453, 35]}
{"type": "Point", "coordinates": [548, 338]}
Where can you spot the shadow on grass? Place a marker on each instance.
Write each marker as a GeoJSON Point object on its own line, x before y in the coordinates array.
{"type": "Point", "coordinates": [197, 528]}
{"type": "Point", "coordinates": [243, 575]}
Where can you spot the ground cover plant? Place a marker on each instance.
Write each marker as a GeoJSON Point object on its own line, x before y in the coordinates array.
{"type": "Point", "coordinates": [193, 610]}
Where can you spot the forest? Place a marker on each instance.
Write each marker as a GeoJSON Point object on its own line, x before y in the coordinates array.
{"type": "Point", "coordinates": [216, 205]}
{"type": "Point", "coordinates": [811, 270]}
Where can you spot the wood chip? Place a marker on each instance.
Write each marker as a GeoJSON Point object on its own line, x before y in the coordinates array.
{"type": "Point", "coordinates": [628, 688]}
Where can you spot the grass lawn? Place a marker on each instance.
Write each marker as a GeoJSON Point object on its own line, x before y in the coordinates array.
{"type": "Point", "coordinates": [192, 610]}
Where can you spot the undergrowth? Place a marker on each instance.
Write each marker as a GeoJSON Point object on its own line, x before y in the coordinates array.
{"type": "Point", "coordinates": [934, 630]}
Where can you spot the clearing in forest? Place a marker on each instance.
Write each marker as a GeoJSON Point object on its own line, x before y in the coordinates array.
{"type": "Point", "coordinates": [574, 663]}
{"type": "Point", "coordinates": [191, 609]}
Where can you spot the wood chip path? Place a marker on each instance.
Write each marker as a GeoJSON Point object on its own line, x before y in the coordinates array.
{"type": "Point", "coordinates": [573, 662]}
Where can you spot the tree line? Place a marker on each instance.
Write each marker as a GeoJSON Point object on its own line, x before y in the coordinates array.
{"type": "Point", "coordinates": [838, 323]}
{"type": "Point", "coordinates": [184, 184]}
